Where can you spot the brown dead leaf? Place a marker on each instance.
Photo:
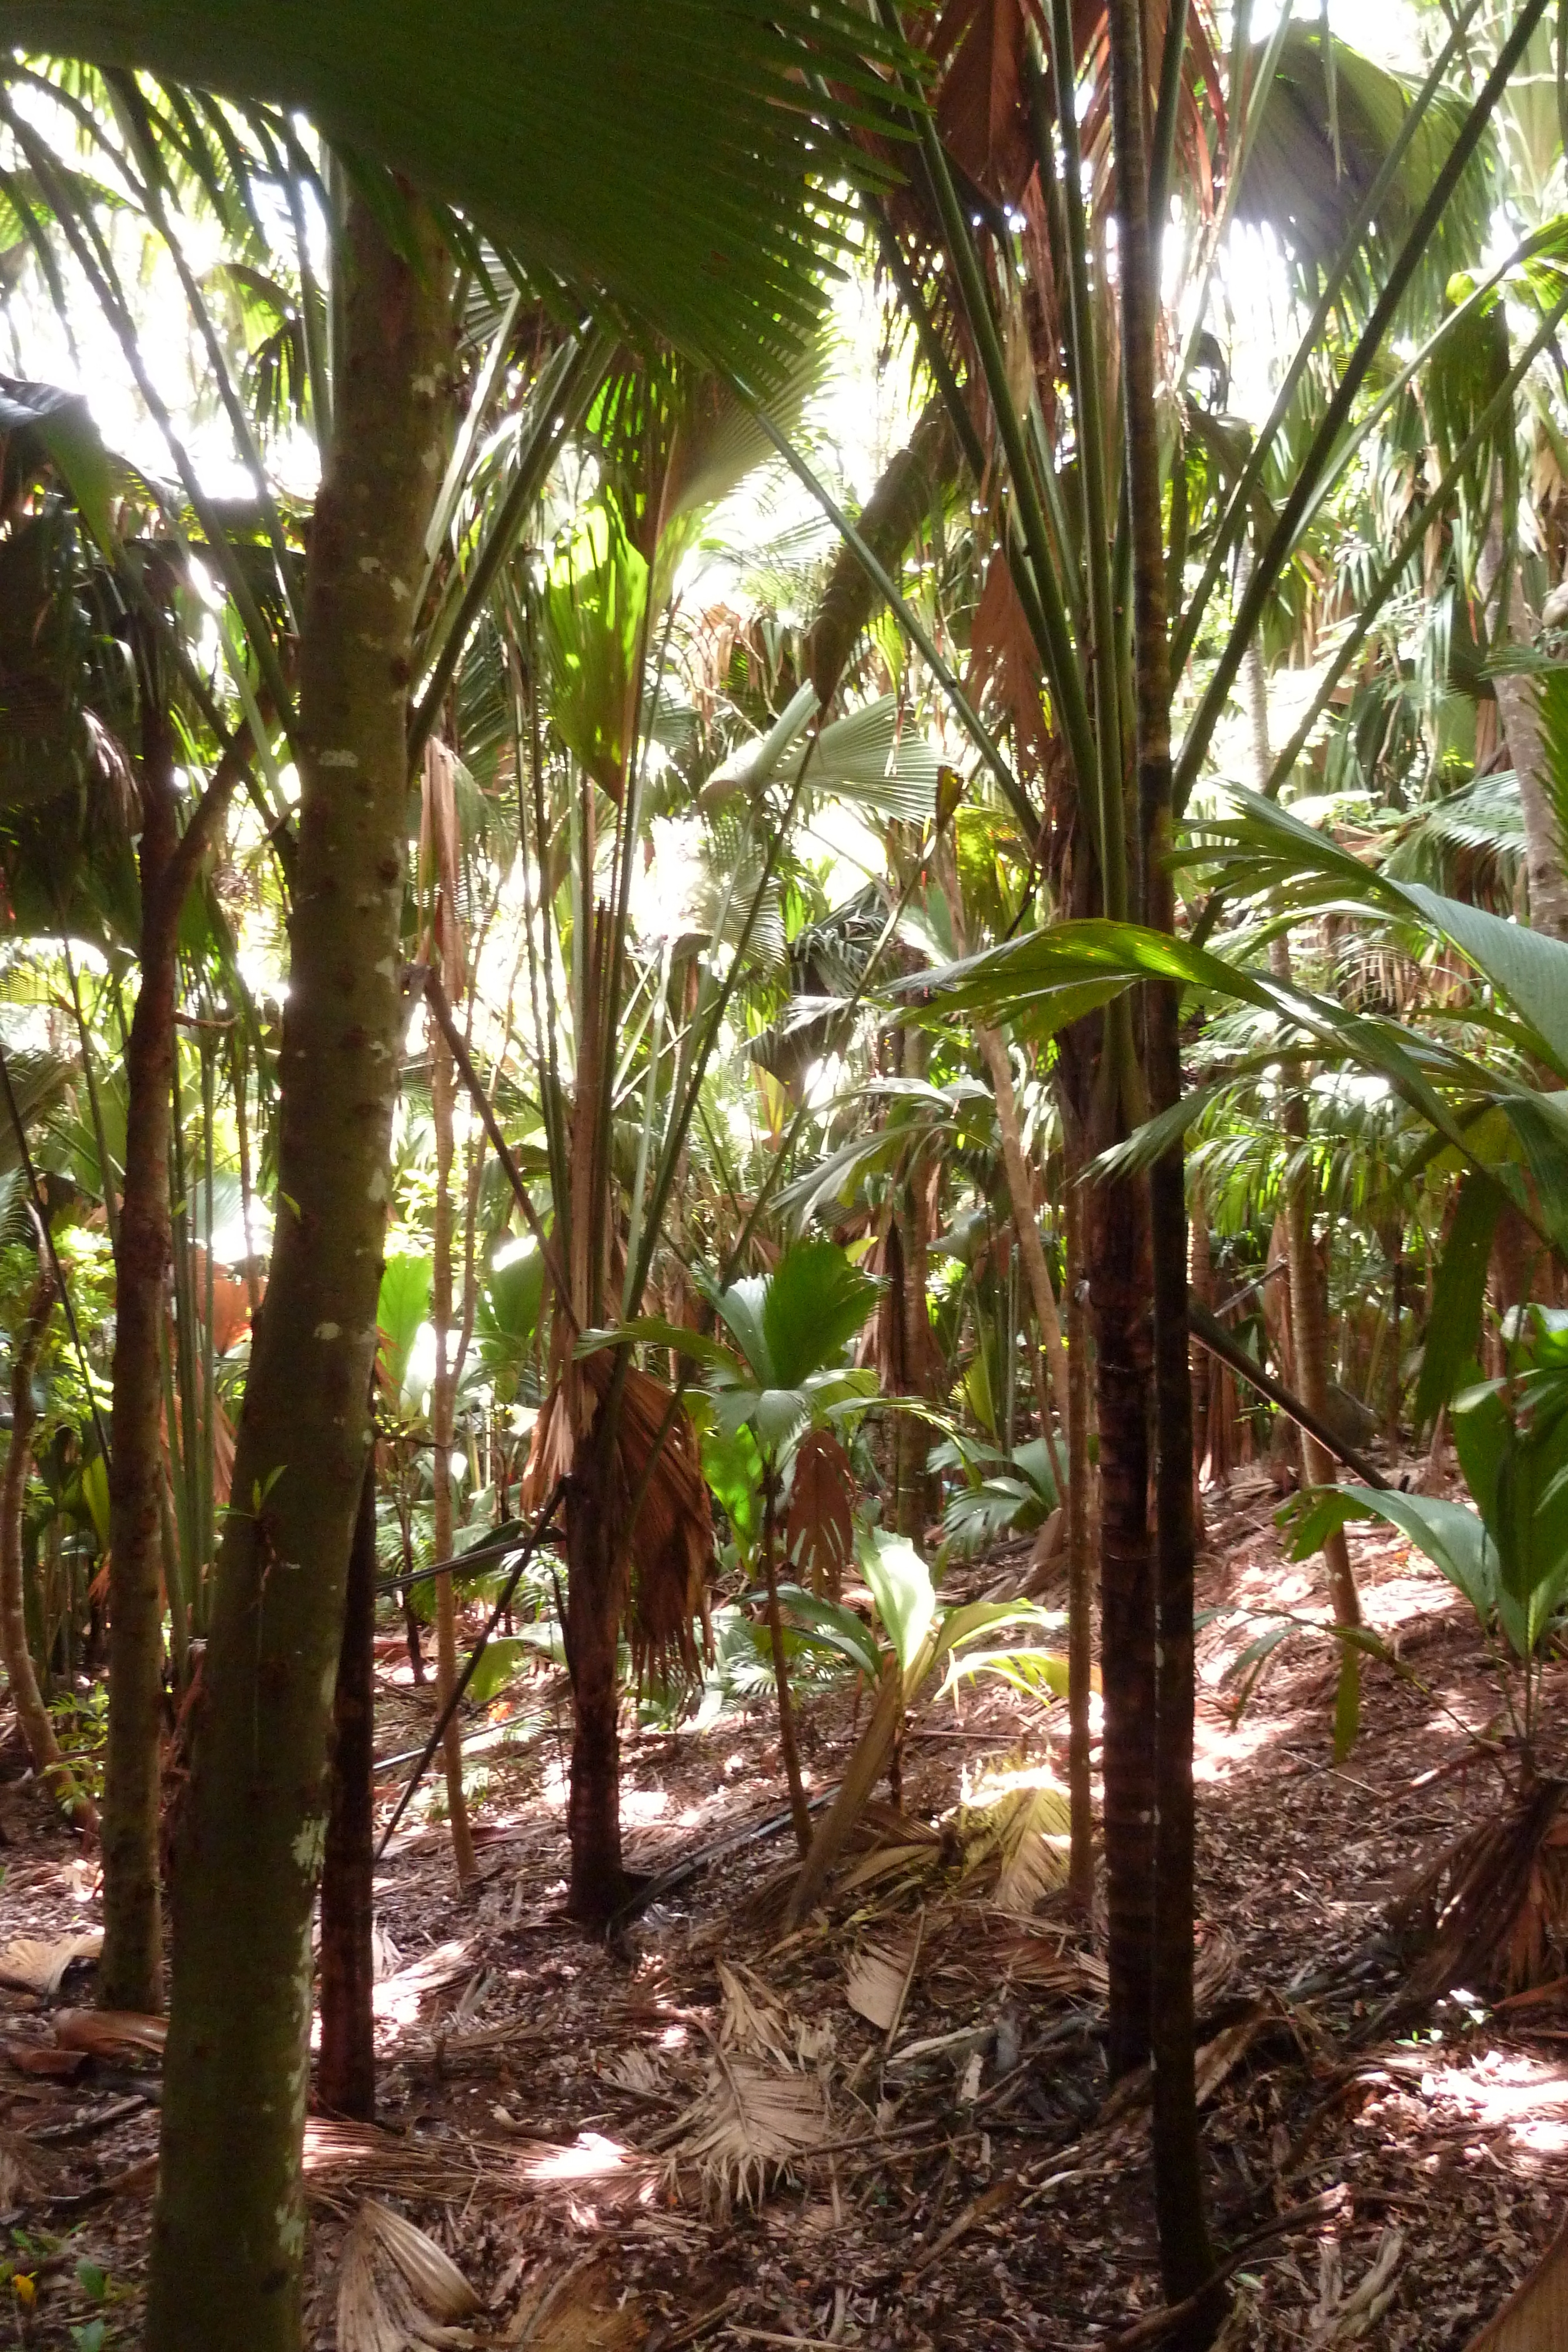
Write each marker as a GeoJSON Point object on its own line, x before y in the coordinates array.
{"type": "Point", "coordinates": [819, 1531]}
{"type": "Point", "coordinates": [878, 1977]}
{"type": "Point", "coordinates": [109, 2033]}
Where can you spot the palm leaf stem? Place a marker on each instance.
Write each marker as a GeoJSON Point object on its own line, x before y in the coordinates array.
{"type": "Point", "coordinates": [1056, 653]}
{"type": "Point", "coordinates": [1283, 537]}
{"type": "Point", "coordinates": [95, 1104]}
{"type": "Point", "coordinates": [1091, 432]}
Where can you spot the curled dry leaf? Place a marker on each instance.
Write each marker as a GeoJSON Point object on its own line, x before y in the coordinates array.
{"type": "Point", "coordinates": [819, 1531]}
{"type": "Point", "coordinates": [39, 1963]}
{"type": "Point", "coordinates": [110, 2032]}
{"type": "Point", "coordinates": [399, 2290]}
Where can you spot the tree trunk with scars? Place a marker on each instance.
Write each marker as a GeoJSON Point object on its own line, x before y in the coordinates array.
{"type": "Point", "coordinates": [1185, 2260]}
{"type": "Point", "coordinates": [346, 2070]}
{"type": "Point", "coordinates": [32, 1715]}
{"type": "Point", "coordinates": [229, 2229]}
{"type": "Point", "coordinates": [132, 1972]}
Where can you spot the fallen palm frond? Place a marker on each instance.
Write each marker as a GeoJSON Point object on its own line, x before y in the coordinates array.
{"type": "Point", "coordinates": [1018, 1822]}
{"type": "Point", "coordinates": [878, 1977]}
{"type": "Point", "coordinates": [1535, 2317]}
{"type": "Point", "coordinates": [398, 2289]}
{"type": "Point", "coordinates": [39, 1963]}
{"type": "Point", "coordinates": [749, 2122]}
{"type": "Point", "coordinates": [580, 2309]}
{"type": "Point", "coordinates": [755, 2020]}
{"type": "Point", "coordinates": [1492, 1909]}
{"type": "Point", "coordinates": [341, 2157]}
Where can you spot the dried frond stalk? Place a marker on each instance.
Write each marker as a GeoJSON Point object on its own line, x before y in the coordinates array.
{"type": "Point", "coordinates": [580, 2310]}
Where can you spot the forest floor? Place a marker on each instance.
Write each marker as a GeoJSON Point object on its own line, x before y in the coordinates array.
{"type": "Point", "coordinates": [570, 2120]}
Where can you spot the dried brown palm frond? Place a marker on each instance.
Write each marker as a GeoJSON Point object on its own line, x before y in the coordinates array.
{"type": "Point", "coordinates": [398, 2290]}
{"type": "Point", "coordinates": [110, 2032]}
{"type": "Point", "coordinates": [668, 1553]}
{"type": "Point", "coordinates": [1492, 1909]}
{"type": "Point", "coordinates": [341, 2157]}
{"type": "Point", "coordinates": [750, 2121]}
{"type": "Point", "coordinates": [878, 1977]}
{"type": "Point", "coordinates": [754, 2021]}
{"type": "Point", "coordinates": [579, 2309]}
{"type": "Point", "coordinates": [1017, 1824]}
{"type": "Point", "coordinates": [39, 1963]}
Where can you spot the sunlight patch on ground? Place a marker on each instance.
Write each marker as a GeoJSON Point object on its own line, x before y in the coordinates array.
{"type": "Point", "coordinates": [1504, 2092]}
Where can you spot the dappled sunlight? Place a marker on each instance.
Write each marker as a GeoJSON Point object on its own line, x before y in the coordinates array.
{"type": "Point", "coordinates": [1520, 2100]}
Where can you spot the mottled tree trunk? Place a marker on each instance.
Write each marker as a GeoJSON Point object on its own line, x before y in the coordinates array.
{"type": "Point", "coordinates": [799, 1812]}
{"type": "Point", "coordinates": [132, 1972]}
{"type": "Point", "coordinates": [32, 1715]}
{"type": "Point", "coordinates": [229, 2227]}
{"type": "Point", "coordinates": [346, 2069]}
{"type": "Point", "coordinates": [1119, 1283]}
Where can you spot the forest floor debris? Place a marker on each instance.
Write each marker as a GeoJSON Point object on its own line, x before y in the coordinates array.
{"type": "Point", "coordinates": [890, 2128]}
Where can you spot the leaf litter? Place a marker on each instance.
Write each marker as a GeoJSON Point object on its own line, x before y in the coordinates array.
{"type": "Point", "coordinates": [892, 2128]}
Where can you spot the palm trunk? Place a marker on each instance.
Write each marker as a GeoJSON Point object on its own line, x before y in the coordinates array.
{"type": "Point", "coordinates": [346, 2070]}
{"type": "Point", "coordinates": [799, 1811]}
{"type": "Point", "coordinates": [1186, 2261]}
{"type": "Point", "coordinates": [593, 1596]}
{"type": "Point", "coordinates": [229, 2230]}
{"type": "Point", "coordinates": [132, 1972]}
{"type": "Point", "coordinates": [32, 1715]}
{"type": "Point", "coordinates": [1124, 1359]}
{"type": "Point", "coordinates": [442, 1404]}
{"type": "Point", "coordinates": [911, 1436]}
{"type": "Point", "coordinates": [1080, 1559]}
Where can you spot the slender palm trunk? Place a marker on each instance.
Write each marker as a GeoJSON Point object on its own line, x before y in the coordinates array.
{"type": "Point", "coordinates": [32, 1715]}
{"type": "Point", "coordinates": [799, 1812]}
{"type": "Point", "coordinates": [1031, 1249]}
{"type": "Point", "coordinates": [346, 2070]}
{"type": "Point", "coordinates": [1079, 1558]}
{"type": "Point", "coordinates": [1185, 2260]}
{"type": "Point", "coordinates": [594, 1593]}
{"type": "Point", "coordinates": [229, 2229]}
{"type": "Point", "coordinates": [911, 1435]}
{"type": "Point", "coordinates": [132, 1974]}
{"type": "Point", "coordinates": [442, 1397]}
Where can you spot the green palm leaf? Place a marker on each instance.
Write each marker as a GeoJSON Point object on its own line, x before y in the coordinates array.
{"type": "Point", "coordinates": [661, 159]}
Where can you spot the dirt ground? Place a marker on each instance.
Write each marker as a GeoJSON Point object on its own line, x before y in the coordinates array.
{"type": "Point", "coordinates": [586, 2128]}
